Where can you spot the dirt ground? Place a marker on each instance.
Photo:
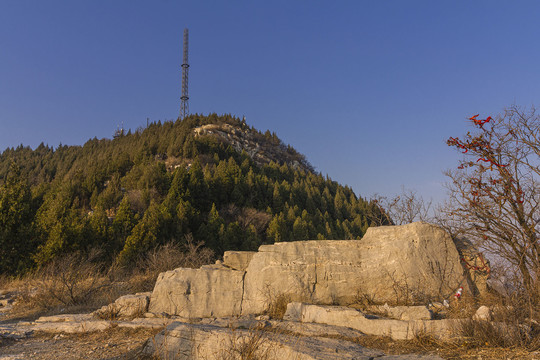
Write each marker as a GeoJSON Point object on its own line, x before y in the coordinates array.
{"type": "Point", "coordinates": [117, 343]}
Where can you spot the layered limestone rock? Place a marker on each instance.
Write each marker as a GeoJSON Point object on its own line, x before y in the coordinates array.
{"type": "Point", "coordinates": [75, 324]}
{"type": "Point", "coordinates": [408, 264]}
{"type": "Point", "coordinates": [394, 264]}
{"type": "Point", "coordinates": [68, 323]}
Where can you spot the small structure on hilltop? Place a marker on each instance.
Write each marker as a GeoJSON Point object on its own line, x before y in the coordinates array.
{"type": "Point", "coordinates": [184, 105]}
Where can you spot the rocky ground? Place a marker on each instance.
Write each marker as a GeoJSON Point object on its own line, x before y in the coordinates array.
{"type": "Point", "coordinates": [47, 339]}
{"type": "Point", "coordinates": [86, 336]}
{"type": "Point", "coordinates": [120, 343]}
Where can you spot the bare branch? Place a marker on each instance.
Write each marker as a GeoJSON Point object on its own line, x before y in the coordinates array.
{"type": "Point", "coordinates": [495, 192]}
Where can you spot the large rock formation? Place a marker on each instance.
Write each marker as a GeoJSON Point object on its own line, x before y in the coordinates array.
{"type": "Point", "coordinates": [407, 264]}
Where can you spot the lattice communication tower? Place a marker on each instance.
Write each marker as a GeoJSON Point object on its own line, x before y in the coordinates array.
{"type": "Point", "coordinates": [184, 106]}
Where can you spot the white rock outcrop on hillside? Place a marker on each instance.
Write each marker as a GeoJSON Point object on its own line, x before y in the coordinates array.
{"type": "Point", "coordinates": [409, 264]}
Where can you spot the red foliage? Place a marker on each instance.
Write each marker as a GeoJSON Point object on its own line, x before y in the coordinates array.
{"type": "Point", "coordinates": [480, 146]}
{"type": "Point", "coordinates": [480, 122]}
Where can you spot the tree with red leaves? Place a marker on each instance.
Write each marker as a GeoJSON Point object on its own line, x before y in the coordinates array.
{"type": "Point", "coordinates": [495, 191]}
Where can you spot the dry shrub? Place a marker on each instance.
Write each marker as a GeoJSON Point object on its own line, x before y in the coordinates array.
{"type": "Point", "coordinates": [406, 293]}
{"type": "Point", "coordinates": [278, 306]}
{"type": "Point", "coordinates": [515, 323]}
{"type": "Point", "coordinates": [426, 341]}
{"type": "Point", "coordinates": [246, 217]}
{"type": "Point", "coordinates": [171, 256]}
{"type": "Point", "coordinates": [73, 281]}
{"type": "Point", "coordinates": [167, 257]}
{"type": "Point", "coordinates": [79, 281]}
{"type": "Point", "coordinates": [363, 300]}
{"type": "Point", "coordinates": [463, 308]}
{"type": "Point", "coordinates": [498, 334]}
{"type": "Point", "coordinates": [4, 281]}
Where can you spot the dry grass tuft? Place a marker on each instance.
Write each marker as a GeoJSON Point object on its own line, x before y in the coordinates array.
{"type": "Point", "coordinates": [465, 308]}
{"type": "Point", "coordinates": [4, 281]}
{"type": "Point", "coordinates": [427, 341]}
{"type": "Point", "coordinates": [278, 306]}
{"type": "Point", "coordinates": [498, 334]}
{"type": "Point", "coordinates": [251, 346]}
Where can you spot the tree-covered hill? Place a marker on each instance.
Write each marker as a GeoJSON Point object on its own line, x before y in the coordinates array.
{"type": "Point", "coordinates": [215, 177]}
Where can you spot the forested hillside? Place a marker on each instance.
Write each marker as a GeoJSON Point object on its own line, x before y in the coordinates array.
{"type": "Point", "coordinates": [215, 177]}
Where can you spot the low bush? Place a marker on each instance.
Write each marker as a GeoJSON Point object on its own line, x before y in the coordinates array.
{"type": "Point", "coordinates": [81, 282]}
{"type": "Point", "coordinates": [167, 257]}
{"type": "Point", "coordinates": [499, 334]}
{"type": "Point", "coordinates": [170, 256]}
{"type": "Point", "coordinates": [516, 321]}
{"type": "Point", "coordinates": [278, 306]}
{"type": "Point", "coordinates": [74, 281]}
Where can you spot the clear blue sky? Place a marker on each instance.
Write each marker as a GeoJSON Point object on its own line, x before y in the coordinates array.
{"type": "Point", "coordinates": [368, 90]}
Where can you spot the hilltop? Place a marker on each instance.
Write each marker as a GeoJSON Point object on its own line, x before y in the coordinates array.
{"type": "Point", "coordinates": [213, 177]}
{"type": "Point", "coordinates": [263, 149]}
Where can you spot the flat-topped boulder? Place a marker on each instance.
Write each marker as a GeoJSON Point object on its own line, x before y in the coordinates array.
{"type": "Point", "coordinates": [408, 264]}
{"type": "Point", "coordinates": [211, 291]}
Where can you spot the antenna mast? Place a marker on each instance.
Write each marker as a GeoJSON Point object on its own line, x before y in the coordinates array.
{"type": "Point", "coordinates": [184, 106]}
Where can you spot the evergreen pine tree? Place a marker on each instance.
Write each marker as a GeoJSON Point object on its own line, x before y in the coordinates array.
{"type": "Point", "coordinates": [16, 238]}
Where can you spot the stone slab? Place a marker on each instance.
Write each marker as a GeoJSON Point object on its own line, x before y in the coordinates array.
{"type": "Point", "coordinates": [352, 318]}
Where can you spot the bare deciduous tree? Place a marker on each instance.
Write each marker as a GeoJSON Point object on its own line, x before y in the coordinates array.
{"type": "Point", "coordinates": [404, 208]}
{"type": "Point", "coordinates": [495, 191]}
